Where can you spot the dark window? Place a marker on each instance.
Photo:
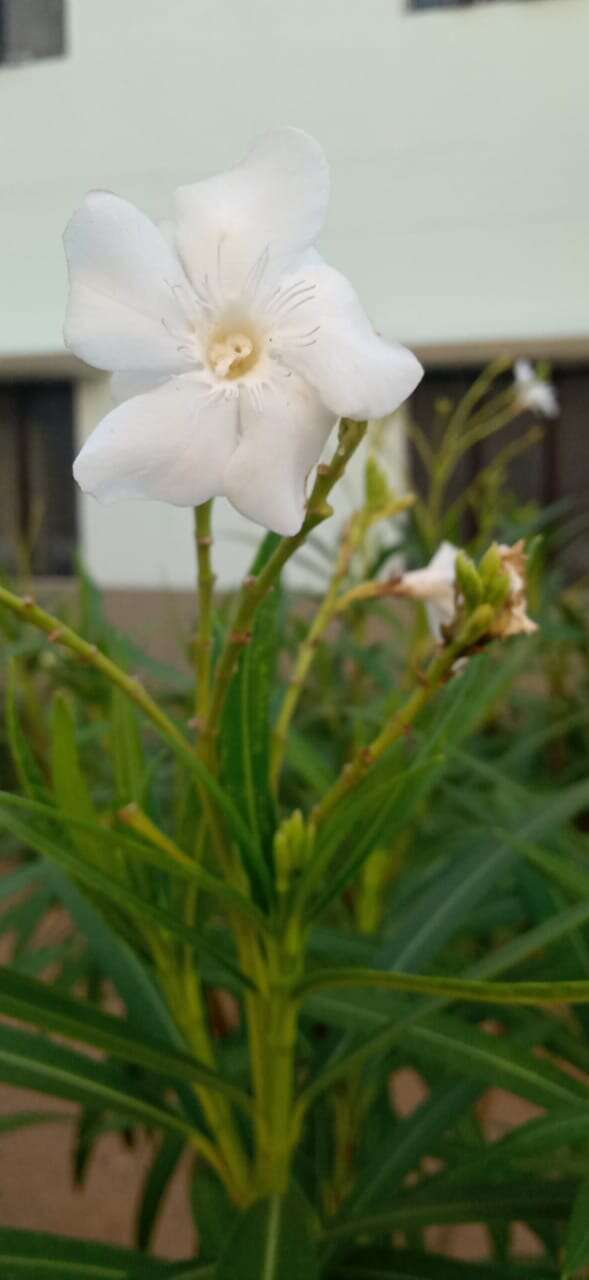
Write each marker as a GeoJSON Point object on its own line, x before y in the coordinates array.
{"type": "Point", "coordinates": [445, 4]}
{"type": "Point", "coordinates": [37, 498]}
{"type": "Point", "coordinates": [31, 29]}
{"type": "Point", "coordinates": [553, 471]}
{"type": "Point", "coordinates": [438, 4]}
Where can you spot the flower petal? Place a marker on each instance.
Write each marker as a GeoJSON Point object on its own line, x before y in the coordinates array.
{"type": "Point", "coordinates": [326, 336]}
{"type": "Point", "coordinates": [171, 445]}
{"type": "Point", "coordinates": [284, 429]}
{"type": "Point", "coordinates": [128, 293]}
{"type": "Point", "coordinates": [125, 385]}
{"type": "Point", "coordinates": [245, 226]}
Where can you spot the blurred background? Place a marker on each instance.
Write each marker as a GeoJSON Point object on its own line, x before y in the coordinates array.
{"type": "Point", "coordinates": [457, 136]}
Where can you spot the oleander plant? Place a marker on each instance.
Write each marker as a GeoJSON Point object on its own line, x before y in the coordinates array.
{"type": "Point", "coordinates": [350, 850]}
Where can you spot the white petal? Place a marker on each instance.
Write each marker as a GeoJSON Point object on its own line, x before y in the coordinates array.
{"type": "Point", "coordinates": [125, 385]}
{"type": "Point", "coordinates": [443, 563]}
{"type": "Point", "coordinates": [327, 337]}
{"type": "Point", "coordinates": [240, 228]}
{"type": "Point", "coordinates": [283, 435]}
{"type": "Point", "coordinates": [128, 293]}
{"type": "Point", "coordinates": [171, 445]}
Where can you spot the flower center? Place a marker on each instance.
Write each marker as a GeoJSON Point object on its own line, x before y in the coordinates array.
{"type": "Point", "coordinates": [232, 354]}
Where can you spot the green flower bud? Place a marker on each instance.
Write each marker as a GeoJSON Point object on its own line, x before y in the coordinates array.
{"type": "Point", "coordinates": [497, 592]}
{"type": "Point", "coordinates": [476, 626]}
{"type": "Point", "coordinates": [468, 580]}
{"type": "Point", "coordinates": [491, 565]}
{"type": "Point", "coordinates": [292, 846]}
{"type": "Point", "coordinates": [376, 486]}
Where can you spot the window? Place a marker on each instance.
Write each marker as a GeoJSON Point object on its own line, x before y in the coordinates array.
{"type": "Point", "coordinates": [445, 4]}
{"type": "Point", "coordinates": [554, 470]}
{"type": "Point", "coordinates": [31, 29]}
{"type": "Point", "coordinates": [37, 496]}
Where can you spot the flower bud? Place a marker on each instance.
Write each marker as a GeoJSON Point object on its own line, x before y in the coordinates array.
{"type": "Point", "coordinates": [292, 846]}
{"type": "Point", "coordinates": [476, 626]}
{"type": "Point", "coordinates": [468, 580]}
{"type": "Point", "coordinates": [376, 485]}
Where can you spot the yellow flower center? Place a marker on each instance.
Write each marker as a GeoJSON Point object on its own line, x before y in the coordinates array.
{"type": "Point", "coordinates": [232, 354]}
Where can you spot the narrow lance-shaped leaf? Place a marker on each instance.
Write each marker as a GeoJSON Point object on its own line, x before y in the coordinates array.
{"type": "Point", "coordinates": [36, 1002]}
{"type": "Point", "coordinates": [577, 1240]}
{"type": "Point", "coordinates": [271, 1241]}
{"type": "Point", "coordinates": [245, 737]}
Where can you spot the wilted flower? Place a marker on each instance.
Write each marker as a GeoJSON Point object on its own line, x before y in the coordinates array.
{"type": "Point", "coordinates": [513, 619]}
{"type": "Point", "coordinates": [533, 392]}
{"type": "Point", "coordinates": [235, 348]}
{"type": "Point", "coordinates": [450, 586]}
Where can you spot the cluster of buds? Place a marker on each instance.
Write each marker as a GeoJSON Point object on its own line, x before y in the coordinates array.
{"type": "Point", "coordinates": [470, 603]}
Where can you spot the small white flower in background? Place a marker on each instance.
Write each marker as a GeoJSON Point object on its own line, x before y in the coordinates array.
{"type": "Point", "coordinates": [533, 392]}
{"type": "Point", "coordinates": [436, 587]}
{"type": "Point", "coordinates": [235, 349]}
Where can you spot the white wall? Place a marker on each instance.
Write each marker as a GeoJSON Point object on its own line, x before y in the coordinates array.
{"type": "Point", "coordinates": [458, 142]}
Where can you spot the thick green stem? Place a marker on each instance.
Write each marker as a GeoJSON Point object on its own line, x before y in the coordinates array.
{"type": "Point", "coordinates": [275, 1132]}
{"type": "Point", "coordinates": [255, 590]}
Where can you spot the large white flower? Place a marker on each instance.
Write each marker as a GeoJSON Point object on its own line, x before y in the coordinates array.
{"type": "Point", "coordinates": [235, 348]}
{"type": "Point", "coordinates": [533, 392]}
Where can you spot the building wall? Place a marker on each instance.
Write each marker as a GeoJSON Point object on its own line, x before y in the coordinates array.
{"type": "Point", "coordinates": [458, 143]}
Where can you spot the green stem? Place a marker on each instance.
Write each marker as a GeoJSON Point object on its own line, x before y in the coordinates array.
{"type": "Point", "coordinates": [255, 589]}
{"type": "Point", "coordinates": [356, 769]}
{"type": "Point", "coordinates": [204, 638]}
{"type": "Point", "coordinates": [275, 1132]}
{"type": "Point", "coordinates": [28, 610]}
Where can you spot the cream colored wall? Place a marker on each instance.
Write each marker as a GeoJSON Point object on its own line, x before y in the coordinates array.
{"type": "Point", "coordinates": [458, 142]}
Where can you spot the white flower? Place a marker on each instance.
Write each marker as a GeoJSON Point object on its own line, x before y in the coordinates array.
{"type": "Point", "coordinates": [235, 349]}
{"type": "Point", "coordinates": [435, 586]}
{"type": "Point", "coordinates": [533, 392]}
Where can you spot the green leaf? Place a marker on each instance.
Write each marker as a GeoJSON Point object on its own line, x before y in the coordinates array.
{"type": "Point", "coordinates": [13, 816]}
{"type": "Point", "coordinates": [28, 1119]}
{"type": "Point", "coordinates": [438, 915]}
{"type": "Point", "coordinates": [401, 1264]}
{"type": "Point", "coordinates": [407, 1142]}
{"type": "Point", "coordinates": [26, 1255]}
{"type": "Point", "coordinates": [213, 1212]}
{"type": "Point", "coordinates": [469, 989]}
{"type": "Point", "coordinates": [126, 748]}
{"type": "Point", "coordinates": [27, 770]}
{"type": "Point", "coordinates": [69, 783]}
{"type": "Point", "coordinates": [116, 842]}
{"type": "Point", "coordinates": [495, 1061]}
{"type": "Point", "coordinates": [245, 730]}
{"type": "Point", "coordinates": [155, 1186]}
{"type": "Point", "coordinates": [509, 1202]}
{"type": "Point", "coordinates": [271, 1241]}
{"type": "Point", "coordinates": [35, 1002]}
{"type": "Point", "coordinates": [33, 1062]}
{"type": "Point", "coordinates": [577, 1240]}
{"type": "Point", "coordinates": [143, 999]}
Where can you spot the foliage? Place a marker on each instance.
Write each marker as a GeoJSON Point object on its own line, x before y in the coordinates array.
{"type": "Point", "coordinates": [321, 873]}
